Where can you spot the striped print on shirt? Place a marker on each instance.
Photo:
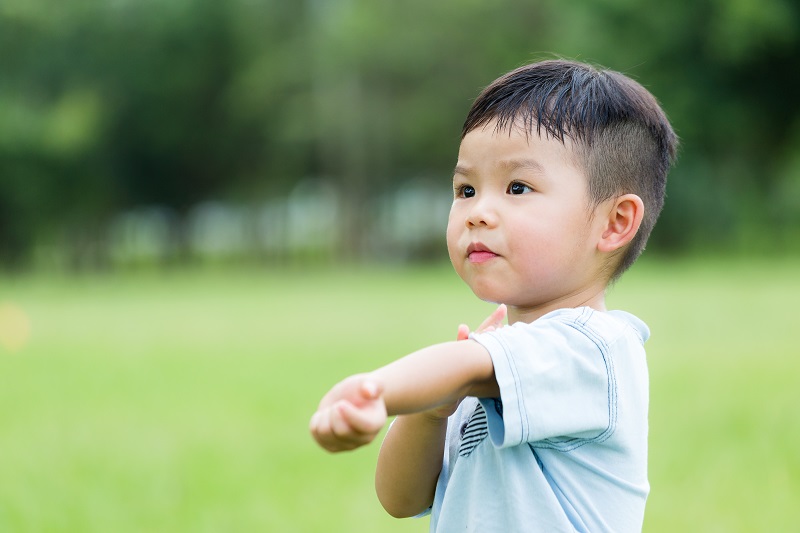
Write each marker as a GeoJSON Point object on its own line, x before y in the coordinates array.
{"type": "Point", "coordinates": [473, 432]}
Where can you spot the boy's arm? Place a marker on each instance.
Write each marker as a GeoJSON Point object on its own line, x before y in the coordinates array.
{"type": "Point", "coordinates": [411, 456]}
{"type": "Point", "coordinates": [355, 409]}
{"type": "Point", "coordinates": [409, 463]}
{"type": "Point", "coordinates": [412, 452]}
{"type": "Point", "coordinates": [428, 386]}
{"type": "Point", "coordinates": [435, 376]}
{"type": "Point", "coordinates": [466, 366]}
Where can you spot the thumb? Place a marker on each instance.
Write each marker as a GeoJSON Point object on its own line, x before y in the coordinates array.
{"type": "Point", "coordinates": [371, 390]}
{"type": "Point", "coordinates": [498, 315]}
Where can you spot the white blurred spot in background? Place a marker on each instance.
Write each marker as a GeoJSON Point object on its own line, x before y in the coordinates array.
{"type": "Point", "coordinates": [310, 222]}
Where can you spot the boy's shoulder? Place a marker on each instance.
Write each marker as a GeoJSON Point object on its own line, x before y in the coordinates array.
{"type": "Point", "coordinates": [604, 324]}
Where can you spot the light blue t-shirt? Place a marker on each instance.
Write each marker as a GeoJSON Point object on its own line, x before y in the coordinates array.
{"type": "Point", "coordinates": [565, 446]}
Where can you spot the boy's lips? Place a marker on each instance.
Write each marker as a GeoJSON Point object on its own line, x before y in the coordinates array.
{"type": "Point", "coordinates": [479, 253]}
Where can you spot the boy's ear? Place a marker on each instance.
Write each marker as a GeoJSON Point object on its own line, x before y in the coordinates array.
{"type": "Point", "coordinates": [621, 223]}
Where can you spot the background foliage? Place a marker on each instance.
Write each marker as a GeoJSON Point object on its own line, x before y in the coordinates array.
{"type": "Point", "coordinates": [108, 107]}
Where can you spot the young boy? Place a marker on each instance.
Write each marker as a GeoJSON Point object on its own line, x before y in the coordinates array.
{"type": "Point", "coordinates": [540, 425]}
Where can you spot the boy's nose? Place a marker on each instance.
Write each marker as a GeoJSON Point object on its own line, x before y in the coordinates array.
{"type": "Point", "coordinates": [482, 213]}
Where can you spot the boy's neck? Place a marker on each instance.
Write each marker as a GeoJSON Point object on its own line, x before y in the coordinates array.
{"type": "Point", "coordinates": [594, 297]}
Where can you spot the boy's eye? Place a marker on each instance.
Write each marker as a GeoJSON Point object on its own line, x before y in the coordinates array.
{"type": "Point", "coordinates": [518, 188]}
{"type": "Point", "coordinates": [465, 191]}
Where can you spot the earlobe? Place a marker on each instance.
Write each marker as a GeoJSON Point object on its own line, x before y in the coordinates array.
{"type": "Point", "coordinates": [622, 222]}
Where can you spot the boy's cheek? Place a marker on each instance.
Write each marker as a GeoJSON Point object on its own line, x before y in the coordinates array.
{"type": "Point", "coordinates": [452, 237]}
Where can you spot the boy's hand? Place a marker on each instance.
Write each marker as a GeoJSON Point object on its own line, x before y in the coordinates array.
{"type": "Point", "coordinates": [492, 322]}
{"type": "Point", "coordinates": [350, 415]}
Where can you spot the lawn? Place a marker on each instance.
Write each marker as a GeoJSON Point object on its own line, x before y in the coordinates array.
{"type": "Point", "coordinates": [179, 402]}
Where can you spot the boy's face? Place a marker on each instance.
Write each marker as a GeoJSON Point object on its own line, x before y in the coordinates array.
{"type": "Point", "coordinates": [520, 230]}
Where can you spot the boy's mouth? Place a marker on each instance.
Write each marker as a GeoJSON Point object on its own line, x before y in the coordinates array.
{"type": "Point", "coordinates": [479, 253]}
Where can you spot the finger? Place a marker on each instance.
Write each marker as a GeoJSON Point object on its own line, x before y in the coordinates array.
{"type": "Point", "coordinates": [364, 423]}
{"type": "Point", "coordinates": [463, 332]}
{"type": "Point", "coordinates": [320, 429]}
{"type": "Point", "coordinates": [340, 428]}
{"type": "Point", "coordinates": [495, 320]}
{"type": "Point", "coordinates": [313, 423]}
{"type": "Point", "coordinates": [345, 435]}
{"type": "Point", "coordinates": [329, 434]}
{"type": "Point", "coordinates": [498, 315]}
{"type": "Point", "coordinates": [320, 425]}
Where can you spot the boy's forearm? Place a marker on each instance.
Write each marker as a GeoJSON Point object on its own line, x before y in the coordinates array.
{"type": "Point", "coordinates": [435, 376]}
{"type": "Point", "coordinates": [409, 464]}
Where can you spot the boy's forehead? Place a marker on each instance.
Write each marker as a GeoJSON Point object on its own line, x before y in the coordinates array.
{"type": "Point", "coordinates": [524, 140]}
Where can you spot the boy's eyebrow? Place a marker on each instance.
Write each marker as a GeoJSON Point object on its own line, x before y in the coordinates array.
{"type": "Point", "coordinates": [509, 165]}
{"type": "Point", "coordinates": [526, 164]}
{"type": "Point", "coordinates": [461, 169]}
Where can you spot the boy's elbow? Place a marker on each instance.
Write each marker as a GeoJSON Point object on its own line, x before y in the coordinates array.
{"type": "Point", "coordinates": [396, 512]}
{"type": "Point", "coordinates": [401, 503]}
{"type": "Point", "coordinates": [398, 508]}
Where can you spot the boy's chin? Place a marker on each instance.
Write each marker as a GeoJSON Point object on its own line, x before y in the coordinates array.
{"type": "Point", "coordinates": [485, 290]}
{"type": "Point", "coordinates": [488, 296]}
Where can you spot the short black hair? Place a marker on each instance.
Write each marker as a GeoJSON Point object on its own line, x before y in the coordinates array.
{"type": "Point", "coordinates": [623, 138]}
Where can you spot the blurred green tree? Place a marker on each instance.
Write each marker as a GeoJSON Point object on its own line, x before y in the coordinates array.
{"type": "Point", "coordinates": [105, 106]}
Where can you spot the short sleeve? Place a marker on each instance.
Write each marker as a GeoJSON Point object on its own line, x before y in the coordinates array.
{"type": "Point", "coordinates": [556, 381]}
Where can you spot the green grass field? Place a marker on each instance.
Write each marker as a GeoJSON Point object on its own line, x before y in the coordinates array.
{"type": "Point", "coordinates": [180, 402]}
